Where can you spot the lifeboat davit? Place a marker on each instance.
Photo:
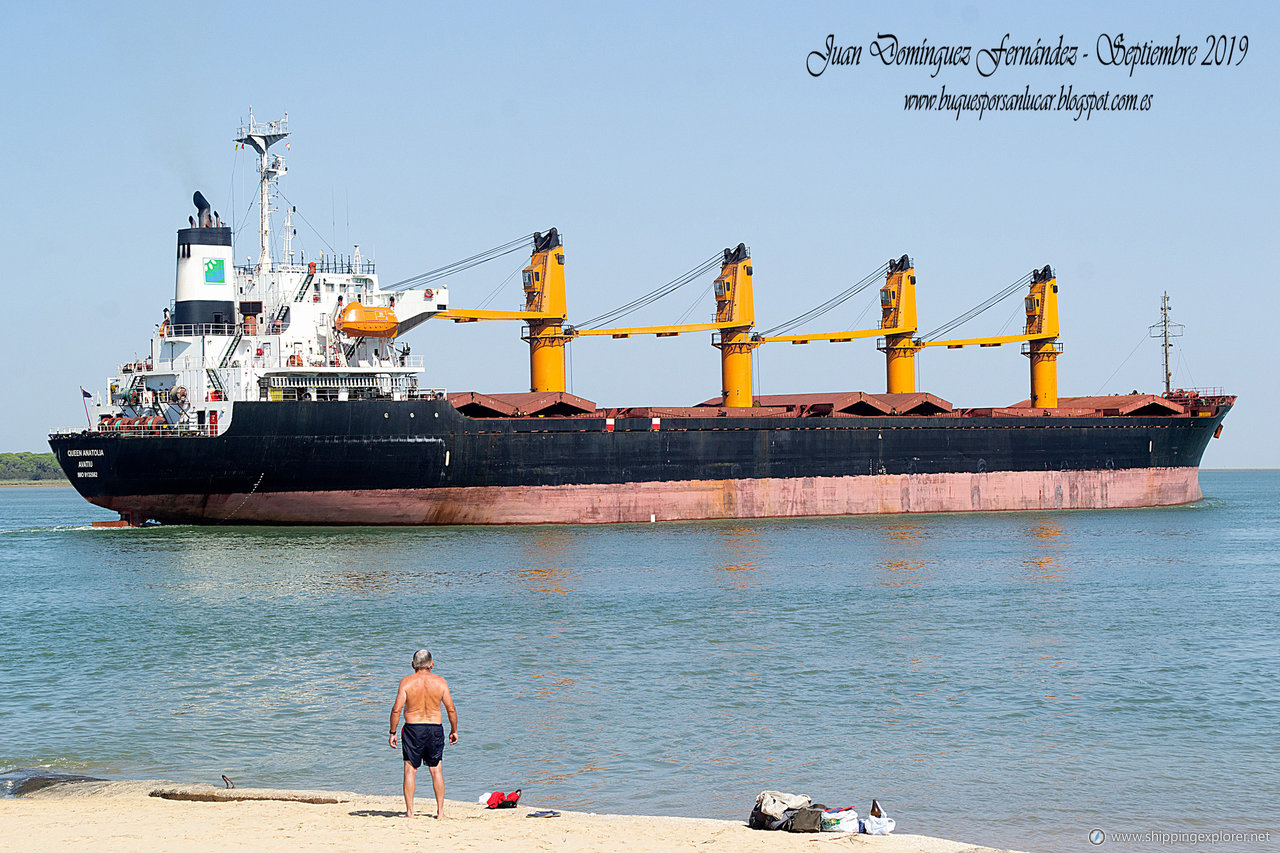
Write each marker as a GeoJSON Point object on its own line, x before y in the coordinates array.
{"type": "Point", "coordinates": [367, 321]}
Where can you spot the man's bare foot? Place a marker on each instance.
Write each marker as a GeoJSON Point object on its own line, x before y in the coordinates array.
{"type": "Point", "coordinates": [410, 814]}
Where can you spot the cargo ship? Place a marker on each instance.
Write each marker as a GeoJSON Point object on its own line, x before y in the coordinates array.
{"type": "Point", "coordinates": [279, 391]}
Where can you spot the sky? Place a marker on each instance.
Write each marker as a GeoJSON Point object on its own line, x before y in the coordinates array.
{"type": "Point", "coordinates": [653, 135]}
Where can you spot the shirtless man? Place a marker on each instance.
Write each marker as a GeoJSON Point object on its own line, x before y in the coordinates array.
{"type": "Point", "coordinates": [420, 696]}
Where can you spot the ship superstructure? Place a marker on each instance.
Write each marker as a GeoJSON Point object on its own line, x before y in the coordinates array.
{"type": "Point", "coordinates": [265, 330]}
{"type": "Point", "coordinates": [278, 391]}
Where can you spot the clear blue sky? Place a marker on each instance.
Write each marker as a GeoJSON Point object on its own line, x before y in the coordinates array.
{"type": "Point", "coordinates": [652, 136]}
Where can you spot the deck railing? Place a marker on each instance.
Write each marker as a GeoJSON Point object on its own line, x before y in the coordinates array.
{"type": "Point", "coordinates": [273, 360]}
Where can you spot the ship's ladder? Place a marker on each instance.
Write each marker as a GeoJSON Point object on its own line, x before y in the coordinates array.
{"type": "Point", "coordinates": [283, 309]}
{"type": "Point", "coordinates": [216, 381]}
{"type": "Point", "coordinates": [302, 290]}
{"type": "Point", "coordinates": [231, 348]}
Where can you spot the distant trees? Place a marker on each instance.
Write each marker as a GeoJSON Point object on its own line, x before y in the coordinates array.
{"type": "Point", "coordinates": [29, 466]}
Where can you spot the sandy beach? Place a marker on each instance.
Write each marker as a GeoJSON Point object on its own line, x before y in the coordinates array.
{"type": "Point", "coordinates": [157, 815]}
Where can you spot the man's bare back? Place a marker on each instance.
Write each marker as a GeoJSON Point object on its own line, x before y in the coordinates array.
{"type": "Point", "coordinates": [421, 695]}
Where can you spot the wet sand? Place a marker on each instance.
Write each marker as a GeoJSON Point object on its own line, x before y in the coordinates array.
{"type": "Point", "coordinates": [163, 816]}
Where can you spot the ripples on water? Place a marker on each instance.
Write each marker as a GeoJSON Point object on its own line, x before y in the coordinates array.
{"type": "Point", "coordinates": [1011, 679]}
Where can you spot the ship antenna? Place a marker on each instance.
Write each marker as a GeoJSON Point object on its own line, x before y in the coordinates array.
{"type": "Point", "coordinates": [271, 167]}
{"type": "Point", "coordinates": [1166, 330]}
{"type": "Point", "coordinates": [288, 235]}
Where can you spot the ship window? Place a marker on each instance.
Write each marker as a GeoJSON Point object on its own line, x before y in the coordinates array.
{"type": "Point", "coordinates": [537, 276]}
{"type": "Point", "coordinates": [528, 278]}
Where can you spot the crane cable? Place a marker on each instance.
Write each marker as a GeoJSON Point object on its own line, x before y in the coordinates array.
{"type": "Point", "coordinates": [654, 295]}
{"type": "Point", "coordinates": [464, 264]}
{"type": "Point", "coordinates": [947, 328]}
{"type": "Point", "coordinates": [833, 302]}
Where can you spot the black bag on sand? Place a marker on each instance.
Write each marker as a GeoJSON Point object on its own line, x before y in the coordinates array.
{"type": "Point", "coordinates": [808, 819]}
{"type": "Point", "coordinates": [758, 819]}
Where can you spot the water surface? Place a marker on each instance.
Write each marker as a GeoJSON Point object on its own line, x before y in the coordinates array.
{"type": "Point", "coordinates": [1010, 679]}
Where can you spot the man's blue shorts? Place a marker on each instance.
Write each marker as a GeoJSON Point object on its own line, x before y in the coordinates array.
{"type": "Point", "coordinates": [422, 742]}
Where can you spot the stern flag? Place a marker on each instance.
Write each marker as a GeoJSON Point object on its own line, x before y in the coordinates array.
{"type": "Point", "coordinates": [85, 393]}
{"type": "Point", "coordinates": [85, 396]}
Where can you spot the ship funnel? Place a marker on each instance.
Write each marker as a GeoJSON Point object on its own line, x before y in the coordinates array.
{"type": "Point", "coordinates": [202, 210]}
{"type": "Point", "coordinates": [205, 289]}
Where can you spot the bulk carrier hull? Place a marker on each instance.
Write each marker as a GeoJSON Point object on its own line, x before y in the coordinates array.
{"type": "Point", "coordinates": [422, 461]}
{"type": "Point", "coordinates": [282, 392]}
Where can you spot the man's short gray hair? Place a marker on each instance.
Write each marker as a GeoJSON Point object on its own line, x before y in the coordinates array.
{"type": "Point", "coordinates": [421, 659]}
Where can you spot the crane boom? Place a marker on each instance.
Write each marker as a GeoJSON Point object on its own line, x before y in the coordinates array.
{"type": "Point", "coordinates": [1040, 338]}
{"type": "Point", "coordinates": [735, 317]}
{"type": "Point", "coordinates": [660, 331]}
{"type": "Point", "coordinates": [991, 341]}
{"type": "Point", "coordinates": [833, 337]}
{"type": "Point", "coordinates": [471, 315]}
{"type": "Point", "coordinates": [545, 312]}
{"type": "Point", "coordinates": [897, 323]}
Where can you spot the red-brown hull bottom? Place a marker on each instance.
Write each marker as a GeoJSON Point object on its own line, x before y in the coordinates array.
{"type": "Point", "coordinates": [683, 500]}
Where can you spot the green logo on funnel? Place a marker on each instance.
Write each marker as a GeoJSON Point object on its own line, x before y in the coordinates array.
{"type": "Point", "coordinates": [215, 271]}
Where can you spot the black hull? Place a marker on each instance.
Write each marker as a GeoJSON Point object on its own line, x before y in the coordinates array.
{"type": "Point", "coordinates": [414, 447]}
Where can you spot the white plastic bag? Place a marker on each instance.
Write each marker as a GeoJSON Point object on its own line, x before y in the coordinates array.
{"type": "Point", "coordinates": [882, 825]}
{"type": "Point", "coordinates": [840, 820]}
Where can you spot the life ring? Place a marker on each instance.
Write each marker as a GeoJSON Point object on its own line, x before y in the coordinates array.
{"type": "Point", "coordinates": [428, 293]}
{"type": "Point", "coordinates": [164, 329]}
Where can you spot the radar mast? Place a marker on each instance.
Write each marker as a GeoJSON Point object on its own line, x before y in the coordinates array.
{"type": "Point", "coordinates": [260, 137]}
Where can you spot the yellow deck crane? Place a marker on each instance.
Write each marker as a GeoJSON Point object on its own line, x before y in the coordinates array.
{"type": "Point", "coordinates": [734, 319]}
{"type": "Point", "coordinates": [897, 327]}
{"type": "Point", "coordinates": [545, 312]}
{"type": "Point", "coordinates": [1039, 338]}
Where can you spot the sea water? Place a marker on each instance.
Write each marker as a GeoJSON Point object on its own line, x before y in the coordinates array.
{"type": "Point", "coordinates": [1012, 679]}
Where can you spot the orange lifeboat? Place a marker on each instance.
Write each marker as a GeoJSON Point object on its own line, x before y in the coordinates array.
{"type": "Point", "coordinates": [367, 321]}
